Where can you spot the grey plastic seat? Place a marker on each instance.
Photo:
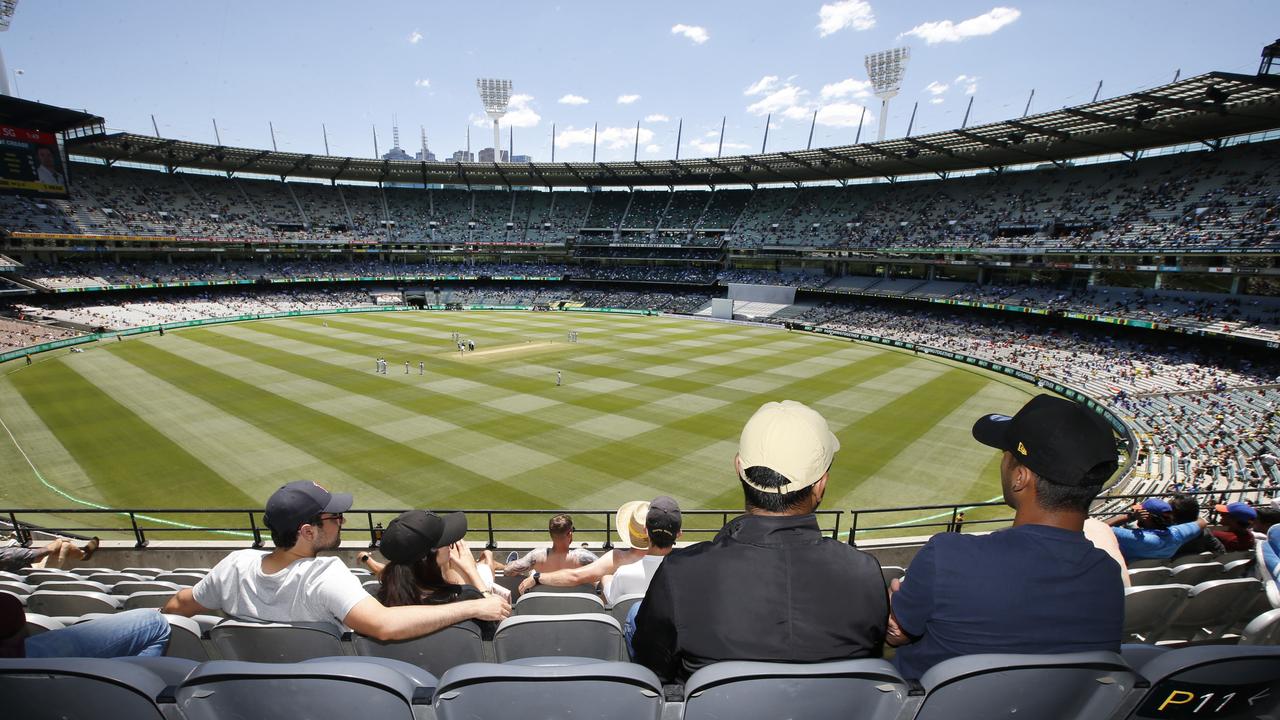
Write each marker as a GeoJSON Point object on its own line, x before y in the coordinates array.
{"type": "Point", "coordinates": [1211, 608]}
{"type": "Point", "coordinates": [149, 572]}
{"type": "Point", "coordinates": [1230, 557]}
{"type": "Point", "coordinates": [1237, 568]}
{"type": "Point", "coordinates": [1085, 685]}
{"type": "Point", "coordinates": [371, 586]}
{"type": "Point", "coordinates": [799, 691]}
{"type": "Point", "coordinates": [16, 588]}
{"type": "Point", "coordinates": [183, 579]}
{"type": "Point", "coordinates": [892, 572]}
{"type": "Point", "coordinates": [60, 688]}
{"type": "Point", "coordinates": [1196, 573]}
{"type": "Point", "coordinates": [76, 586]}
{"type": "Point", "coordinates": [1142, 577]}
{"type": "Point", "coordinates": [1226, 681]}
{"type": "Point", "coordinates": [331, 687]}
{"type": "Point", "coordinates": [130, 587]}
{"type": "Point", "coordinates": [1147, 563]}
{"type": "Point", "coordinates": [6, 576]}
{"type": "Point", "coordinates": [541, 603]}
{"type": "Point", "coordinates": [1262, 630]}
{"type": "Point", "coordinates": [274, 642]}
{"type": "Point", "coordinates": [43, 575]}
{"type": "Point", "coordinates": [152, 599]}
{"type": "Point", "coordinates": [1148, 610]}
{"type": "Point", "coordinates": [53, 602]}
{"type": "Point", "coordinates": [542, 688]}
{"type": "Point", "coordinates": [184, 639]}
{"type": "Point", "coordinates": [436, 653]}
{"type": "Point", "coordinates": [37, 623]}
{"type": "Point", "coordinates": [623, 605]}
{"type": "Point", "coordinates": [590, 635]}
{"type": "Point", "coordinates": [110, 578]}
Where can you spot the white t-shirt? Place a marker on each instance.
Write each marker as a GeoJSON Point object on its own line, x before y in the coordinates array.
{"type": "Point", "coordinates": [633, 578]}
{"type": "Point", "coordinates": [317, 590]}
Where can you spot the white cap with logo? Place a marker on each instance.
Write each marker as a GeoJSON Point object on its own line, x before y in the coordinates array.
{"type": "Point", "coordinates": [791, 439]}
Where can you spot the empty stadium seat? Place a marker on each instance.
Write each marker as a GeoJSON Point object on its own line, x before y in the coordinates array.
{"type": "Point", "coordinates": [541, 688]}
{"type": "Point", "coordinates": [16, 588]}
{"type": "Point", "coordinates": [1262, 630]}
{"type": "Point", "coordinates": [184, 639]}
{"type": "Point", "coordinates": [75, 586]}
{"type": "Point", "coordinates": [1211, 608]}
{"type": "Point", "coordinates": [1073, 685]}
{"type": "Point", "coordinates": [540, 603]}
{"type": "Point", "coordinates": [37, 623]}
{"type": "Point", "coordinates": [111, 578]}
{"type": "Point", "coordinates": [1149, 610]}
{"type": "Point", "coordinates": [129, 587]}
{"type": "Point", "coordinates": [622, 606]}
{"type": "Point", "coordinates": [53, 602]}
{"type": "Point", "coordinates": [371, 586]}
{"type": "Point", "coordinates": [1237, 568]}
{"type": "Point", "coordinates": [64, 688]}
{"type": "Point", "coordinates": [152, 599]}
{"type": "Point", "coordinates": [1149, 576]}
{"type": "Point", "coordinates": [184, 579]}
{"type": "Point", "coordinates": [865, 689]}
{"type": "Point", "coordinates": [37, 576]}
{"type": "Point", "coordinates": [331, 687]}
{"type": "Point", "coordinates": [892, 572]}
{"type": "Point", "coordinates": [590, 635]}
{"type": "Point", "coordinates": [1227, 681]}
{"type": "Point", "coordinates": [274, 642]}
{"type": "Point", "coordinates": [149, 572]}
{"type": "Point", "coordinates": [1196, 573]}
{"type": "Point", "coordinates": [435, 653]}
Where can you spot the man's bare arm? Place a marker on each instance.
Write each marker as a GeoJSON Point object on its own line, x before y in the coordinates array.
{"type": "Point", "coordinates": [586, 574]}
{"type": "Point", "coordinates": [372, 618]}
{"type": "Point", "coordinates": [184, 603]}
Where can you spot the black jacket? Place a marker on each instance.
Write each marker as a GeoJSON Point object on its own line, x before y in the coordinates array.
{"type": "Point", "coordinates": [767, 588]}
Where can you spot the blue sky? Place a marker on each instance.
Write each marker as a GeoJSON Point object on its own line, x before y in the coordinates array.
{"type": "Point", "coordinates": [353, 65]}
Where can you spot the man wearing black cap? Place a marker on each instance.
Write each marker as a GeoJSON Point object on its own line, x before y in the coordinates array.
{"type": "Point", "coordinates": [1037, 587]}
{"type": "Point", "coordinates": [293, 584]}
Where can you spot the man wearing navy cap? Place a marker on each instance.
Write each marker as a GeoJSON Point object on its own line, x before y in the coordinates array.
{"type": "Point", "coordinates": [292, 584]}
{"type": "Point", "coordinates": [1237, 522]}
{"type": "Point", "coordinates": [1038, 587]}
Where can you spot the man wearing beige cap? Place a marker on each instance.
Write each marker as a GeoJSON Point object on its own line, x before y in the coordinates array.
{"type": "Point", "coordinates": [770, 586]}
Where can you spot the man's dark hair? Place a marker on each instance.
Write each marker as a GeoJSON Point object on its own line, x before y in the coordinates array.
{"type": "Point", "coordinates": [560, 525]}
{"type": "Point", "coordinates": [772, 501]}
{"type": "Point", "coordinates": [285, 539]}
{"type": "Point", "coordinates": [661, 538]}
{"type": "Point", "coordinates": [1051, 495]}
{"type": "Point", "coordinates": [1185, 508]}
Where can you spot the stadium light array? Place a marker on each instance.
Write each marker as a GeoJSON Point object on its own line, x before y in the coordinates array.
{"type": "Point", "coordinates": [7, 8]}
{"type": "Point", "coordinates": [495, 94]}
{"type": "Point", "coordinates": [886, 69]}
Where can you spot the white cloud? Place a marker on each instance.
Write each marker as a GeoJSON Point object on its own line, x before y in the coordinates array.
{"type": "Point", "coordinates": [946, 31]}
{"type": "Point", "coordinates": [414, 37]}
{"type": "Point", "coordinates": [848, 87]}
{"type": "Point", "coordinates": [937, 101]}
{"type": "Point", "coordinates": [651, 148]}
{"type": "Point", "coordinates": [695, 33]}
{"type": "Point", "coordinates": [763, 85]}
{"type": "Point", "coordinates": [709, 147]}
{"type": "Point", "coordinates": [627, 99]}
{"type": "Point", "coordinates": [657, 117]}
{"type": "Point", "coordinates": [519, 114]}
{"type": "Point", "coordinates": [837, 16]}
{"type": "Point", "coordinates": [795, 112]}
{"type": "Point", "coordinates": [611, 138]}
{"type": "Point", "coordinates": [936, 88]}
{"type": "Point", "coordinates": [970, 83]}
{"type": "Point", "coordinates": [711, 133]}
{"type": "Point", "coordinates": [572, 99]}
{"type": "Point", "coordinates": [778, 100]}
{"type": "Point", "coordinates": [422, 83]}
{"type": "Point", "coordinates": [843, 115]}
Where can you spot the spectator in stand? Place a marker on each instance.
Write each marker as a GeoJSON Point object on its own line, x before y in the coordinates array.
{"type": "Point", "coordinates": [562, 554]}
{"type": "Point", "coordinates": [1187, 509]}
{"type": "Point", "coordinates": [770, 586]}
{"type": "Point", "coordinates": [59, 553]}
{"type": "Point", "coordinates": [425, 554]}
{"type": "Point", "coordinates": [1038, 587]}
{"type": "Point", "coordinates": [1154, 537]}
{"type": "Point", "coordinates": [293, 584]}
{"type": "Point", "coordinates": [133, 633]}
{"type": "Point", "coordinates": [1237, 519]}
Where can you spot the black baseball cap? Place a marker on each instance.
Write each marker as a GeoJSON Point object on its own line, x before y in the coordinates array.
{"type": "Point", "coordinates": [417, 532]}
{"type": "Point", "coordinates": [663, 516]}
{"type": "Point", "coordinates": [300, 501]}
{"type": "Point", "coordinates": [1059, 440]}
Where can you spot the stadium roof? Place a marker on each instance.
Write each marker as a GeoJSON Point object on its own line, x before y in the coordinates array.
{"type": "Point", "coordinates": [1199, 109]}
{"type": "Point", "coordinates": [38, 116]}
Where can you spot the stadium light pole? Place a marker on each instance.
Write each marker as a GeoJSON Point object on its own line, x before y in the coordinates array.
{"type": "Point", "coordinates": [494, 94]}
{"type": "Point", "coordinates": [7, 7]}
{"type": "Point", "coordinates": [885, 69]}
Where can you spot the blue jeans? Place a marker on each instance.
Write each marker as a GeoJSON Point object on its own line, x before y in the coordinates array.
{"type": "Point", "coordinates": [141, 632]}
{"type": "Point", "coordinates": [629, 627]}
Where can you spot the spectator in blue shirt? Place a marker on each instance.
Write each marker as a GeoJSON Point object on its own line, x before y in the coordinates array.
{"type": "Point", "coordinates": [1038, 587]}
{"type": "Point", "coordinates": [1154, 537]}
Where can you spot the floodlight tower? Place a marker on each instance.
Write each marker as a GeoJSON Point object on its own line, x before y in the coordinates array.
{"type": "Point", "coordinates": [885, 69]}
{"type": "Point", "coordinates": [495, 94]}
{"type": "Point", "coordinates": [6, 16]}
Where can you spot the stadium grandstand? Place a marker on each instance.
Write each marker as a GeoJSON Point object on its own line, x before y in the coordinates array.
{"type": "Point", "coordinates": [181, 324]}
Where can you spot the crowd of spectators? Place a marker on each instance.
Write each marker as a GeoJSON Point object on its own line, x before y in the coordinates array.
{"type": "Point", "coordinates": [15, 333]}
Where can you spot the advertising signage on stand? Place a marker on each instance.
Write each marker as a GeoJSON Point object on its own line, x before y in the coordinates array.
{"type": "Point", "coordinates": [31, 163]}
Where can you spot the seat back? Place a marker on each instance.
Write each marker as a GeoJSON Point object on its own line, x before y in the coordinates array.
{"type": "Point", "coordinates": [1149, 576]}
{"type": "Point", "coordinates": [892, 572]}
{"type": "Point", "coordinates": [274, 642]}
{"type": "Point", "coordinates": [1219, 681]}
{"type": "Point", "coordinates": [76, 586]}
{"type": "Point", "coordinates": [1237, 568]}
{"type": "Point", "coordinates": [1196, 573]}
{"type": "Point", "coordinates": [564, 603]}
{"type": "Point", "coordinates": [184, 639]}
{"type": "Point", "coordinates": [622, 606]}
{"type": "Point", "coordinates": [800, 691]}
{"type": "Point", "coordinates": [130, 587]}
{"type": "Point", "coordinates": [183, 579]}
{"type": "Point", "coordinates": [1149, 610]}
{"type": "Point", "coordinates": [326, 688]}
{"type": "Point", "coordinates": [42, 575]}
{"type": "Point", "coordinates": [1212, 607]}
{"type": "Point", "coordinates": [37, 623]}
{"type": "Point", "coordinates": [590, 635]}
{"type": "Point", "coordinates": [111, 578]}
{"type": "Point", "coordinates": [436, 653]}
{"type": "Point", "coordinates": [58, 688]}
{"type": "Point", "coordinates": [1262, 630]}
{"type": "Point", "coordinates": [54, 602]}
{"type": "Point", "coordinates": [1074, 685]}
{"type": "Point", "coordinates": [152, 599]}
{"type": "Point", "coordinates": [597, 690]}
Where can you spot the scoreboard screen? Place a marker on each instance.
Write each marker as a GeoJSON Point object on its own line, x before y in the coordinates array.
{"type": "Point", "coordinates": [31, 163]}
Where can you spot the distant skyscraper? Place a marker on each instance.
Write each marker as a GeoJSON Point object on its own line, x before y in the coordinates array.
{"type": "Point", "coordinates": [522, 158]}
{"type": "Point", "coordinates": [463, 156]}
{"type": "Point", "coordinates": [486, 156]}
{"type": "Point", "coordinates": [431, 157]}
{"type": "Point", "coordinates": [396, 152]}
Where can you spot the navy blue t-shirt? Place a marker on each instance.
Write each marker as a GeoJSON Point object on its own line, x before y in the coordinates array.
{"type": "Point", "coordinates": [1025, 589]}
